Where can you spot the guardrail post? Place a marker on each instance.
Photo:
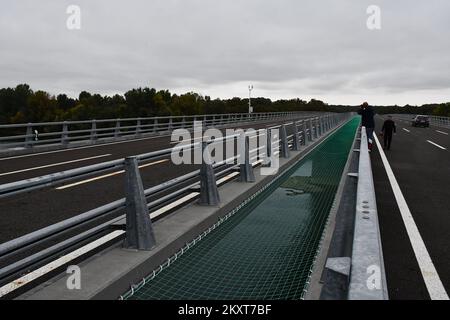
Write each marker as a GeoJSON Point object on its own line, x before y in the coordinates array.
{"type": "Point", "coordinates": [183, 122]}
{"type": "Point", "coordinates": [284, 142]}
{"type": "Point", "coordinates": [65, 134]}
{"type": "Point", "coordinates": [155, 125]}
{"type": "Point", "coordinates": [245, 167]}
{"type": "Point", "coordinates": [29, 136]}
{"type": "Point", "coordinates": [311, 137]}
{"type": "Point", "coordinates": [322, 125]}
{"type": "Point", "coordinates": [170, 127]}
{"type": "Point", "coordinates": [305, 135]}
{"type": "Point", "coordinates": [209, 194]}
{"type": "Point", "coordinates": [316, 129]}
{"type": "Point", "coordinates": [266, 162]}
{"type": "Point", "coordinates": [117, 129]}
{"type": "Point", "coordinates": [139, 229]}
{"type": "Point", "coordinates": [295, 139]}
{"type": "Point", "coordinates": [138, 127]}
{"type": "Point", "coordinates": [94, 130]}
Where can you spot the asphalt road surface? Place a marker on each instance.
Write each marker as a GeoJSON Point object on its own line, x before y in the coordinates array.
{"type": "Point", "coordinates": [420, 161]}
{"type": "Point", "coordinates": [28, 212]}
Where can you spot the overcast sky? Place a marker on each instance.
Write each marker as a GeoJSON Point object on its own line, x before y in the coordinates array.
{"type": "Point", "coordinates": [285, 48]}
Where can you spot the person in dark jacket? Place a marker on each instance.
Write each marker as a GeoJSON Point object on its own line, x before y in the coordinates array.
{"type": "Point", "coordinates": [388, 128]}
{"type": "Point", "coordinates": [367, 114]}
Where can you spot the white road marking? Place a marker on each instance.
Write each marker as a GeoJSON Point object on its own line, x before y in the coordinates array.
{"type": "Point", "coordinates": [406, 130]}
{"type": "Point", "coordinates": [107, 175]}
{"type": "Point", "coordinates": [79, 148]}
{"type": "Point", "coordinates": [435, 144]}
{"type": "Point", "coordinates": [16, 284]}
{"type": "Point", "coordinates": [429, 273]}
{"type": "Point", "coordinates": [54, 164]}
{"type": "Point", "coordinates": [174, 204]}
{"type": "Point", "coordinates": [442, 132]}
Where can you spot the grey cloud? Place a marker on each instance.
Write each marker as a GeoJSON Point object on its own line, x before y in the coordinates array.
{"type": "Point", "coordinates": [287, 48]}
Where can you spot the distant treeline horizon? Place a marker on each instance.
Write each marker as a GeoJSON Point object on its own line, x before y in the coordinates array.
{"type": "Point", "coordinates": [21, 105]}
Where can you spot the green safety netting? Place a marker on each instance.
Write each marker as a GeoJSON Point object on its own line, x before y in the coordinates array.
{"type": "Point", "coordinates": [267, 248]}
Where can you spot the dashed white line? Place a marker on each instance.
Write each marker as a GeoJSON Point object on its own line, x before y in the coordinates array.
{"type": "Point", "coordinates": [431, 278]}
{"type": "Point", "coordinates": [406, 130]}
{"type": "Point", "coordinates": [442, 132]}
{"type": "Point", "coordinates": [435, 144]}
{"type": "Point", "coordinates": [54, 164]}
{"type": "Point", "coordinates": [106, 175]}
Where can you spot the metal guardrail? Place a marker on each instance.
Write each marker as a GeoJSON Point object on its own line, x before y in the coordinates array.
{"type": "Point", "coordinates": [66, 132]}
{"type": "Point", "coordinates": [434, 120]}
{"type": "Point", "coordinates": [139, 205]}
{"type": "Point", "coordinates": [367, 275]}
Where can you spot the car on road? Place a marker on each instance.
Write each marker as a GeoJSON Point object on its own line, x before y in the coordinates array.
{"type": "Point", "coordinates": [421, 121]}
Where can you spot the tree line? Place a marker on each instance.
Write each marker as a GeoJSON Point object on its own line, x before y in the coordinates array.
{"type": "Point", "coordinates": [21, 104]}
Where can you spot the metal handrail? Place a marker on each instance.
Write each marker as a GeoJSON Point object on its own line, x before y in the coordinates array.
{"type": "Point", "coordinates": [154, 124]}
{"type": "Point", "coordinates": [367, 275]}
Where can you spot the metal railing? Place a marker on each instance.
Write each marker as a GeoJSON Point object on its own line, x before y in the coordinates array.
{"type": "Point", "coordinates": [437, 121]}
{"type": "Point", "coordinates": [130, 217]}
{"type": "Point", "coordinates": [64, 133]}
{"type": "Point", "coordinates": [367, 275]}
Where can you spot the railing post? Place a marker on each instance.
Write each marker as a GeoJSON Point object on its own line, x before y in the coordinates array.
{"type": "Point", "coordinates": [284, 142]}
{"type": "Point", "coordinates": [94, 130]}
{"type": "Point", "coordinates": [209, 194]}
{"type": "Point", "coordinates": [311, 137]}
{"type": "Point", "coordinates": [319, 126]}
{"type": "Point", "coordinates": [245, 167]}
{"type": "Point", "coordinates": [65, 134]}
{"type": "Point", "coordinates": [139, 229]}
{"type": "Point", "coordinates": [266, 162]}
{"type": "Point", "coordinates": [183, 122]}
{"type": "Point", "coordinates": [305, 135]}
{"type": "Point", "coordinates": [29, 136]}
{"type": "Point", "coordinates": [155, 125]}
{"type": "Point", "coordinates": [138, 127]}
{"type": "Point", "coordinates": [170, 126]}
{"type": "Point", "coordinates": [295, 139]}
{"type": "Point", "coordinates": [117, 129]}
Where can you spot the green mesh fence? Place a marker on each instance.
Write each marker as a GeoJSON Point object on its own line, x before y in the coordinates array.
{"type": "Point", "coordinates": [266, 250]}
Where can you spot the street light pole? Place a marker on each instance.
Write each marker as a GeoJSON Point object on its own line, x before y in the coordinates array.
{"type": "Point", "coordinates": [250, 88]}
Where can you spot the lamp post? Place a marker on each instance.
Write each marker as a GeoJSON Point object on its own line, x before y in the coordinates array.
{"type": "Point", "coordinates": [250, 88]}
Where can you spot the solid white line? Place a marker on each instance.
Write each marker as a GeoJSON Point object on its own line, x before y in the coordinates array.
{"type": "Point", "coordinates": [79, 148]}
{"type": "Point", "coordinates": [406, 130]}
{"type": "Point", "coordinates": [429, 273]}
{"type": "Point", "coordinates": [172, 205]}
{"type": "Point", "coordinates": [57, 263]}
{"type": "Point", "coordinates": [442, 132]}
{"type": "Point", "coordinates": [435, 144]}
{"type": "Point", "coordinates": [54, 164]}
{"type": "Point", "coordinates": [106, 175]}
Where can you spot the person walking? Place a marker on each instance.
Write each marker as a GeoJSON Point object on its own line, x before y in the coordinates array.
{"type": "Point", "coordinates": [386, 131]}
{"type": "Point", "coordinates": [367, 114]}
